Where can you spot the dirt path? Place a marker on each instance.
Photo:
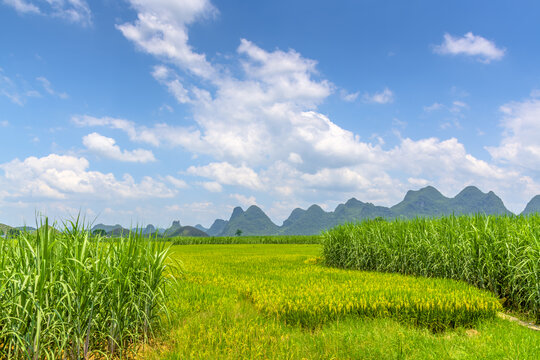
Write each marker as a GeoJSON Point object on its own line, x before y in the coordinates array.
{"type": "Point", "coordinates": [520, 322]}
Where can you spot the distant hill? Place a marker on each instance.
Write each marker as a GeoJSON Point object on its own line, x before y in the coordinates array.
{"type": "Point", "coordinates": [253, 221]}
{"type": "Point", "coordinates": [6, 230]}
{"type": "Point", "coordinates": [533, 206]}
{"type": "Point", "coordinates": [174, 228]}
{"type": "Point", "coordinates": [472, 200]}
{"type": "Point", "coordinates": [200, 227]}
{"type": "Point", "coordinates": [310, 221]}
{"type": "Point", "coordinates": [187, 231]}
{"type": "Point", "coordinates": [106, 228]}
{"type": "Point", "coordinates": [426, 202]}
{"type": "Point", "coordinates": [118, 231]}
{"type": "Point", "coordinates": [217, 227]}
{"type": "Point", "coordinates": [430, 202]}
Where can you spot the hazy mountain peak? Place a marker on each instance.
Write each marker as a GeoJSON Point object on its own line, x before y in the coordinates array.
{"type": "Point", "coordinates": [238, 211]}
{"type": "Point", "coordinates": [533, 206]}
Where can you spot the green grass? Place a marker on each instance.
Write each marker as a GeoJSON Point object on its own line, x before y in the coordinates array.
{"type": "Point", "coordinates": [213, 319]}
{"type": "Point", "coordinates": [497, 253]}
{"type": "Point", "coordinates": [279, 239]}
{"type": "Point", "coordinates": [68, 295]}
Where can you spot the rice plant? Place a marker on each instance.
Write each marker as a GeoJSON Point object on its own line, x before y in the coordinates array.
{"type": "Point", "coordinates": [71, 295]}
{"type": "Point", "coordinates": [497, 253]}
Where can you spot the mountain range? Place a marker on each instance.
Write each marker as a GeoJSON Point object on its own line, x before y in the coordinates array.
{"type": "Point", "coordinates": [426, 202]}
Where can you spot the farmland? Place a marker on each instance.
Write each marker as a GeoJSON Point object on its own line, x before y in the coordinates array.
{"type": "Point", "coordinates": [216, 314]}
{"type": "Point", "coordinates": [73, 295]}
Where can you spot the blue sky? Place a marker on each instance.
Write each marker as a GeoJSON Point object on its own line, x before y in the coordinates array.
{"type": "Point", "coordinates": [142, 111]}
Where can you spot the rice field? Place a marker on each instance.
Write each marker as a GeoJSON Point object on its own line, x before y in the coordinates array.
{"type": "Point", "coordinates": [310, 295]}
{"type": "Point", "coordinates": [66, 295]}
{"type": "Point", "coordinates": [228, 240]}
{"type": "Point", "coordinates": [498, 253]}
{"type": "Point", "coordinates": [232, 304]}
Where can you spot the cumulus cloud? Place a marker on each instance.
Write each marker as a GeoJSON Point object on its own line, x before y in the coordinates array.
{"type": "Point", "coordinates": [261, 125]}
{"type": "Point", "coordinates": [106, 147]}
{"type": "Point", "coordinates": [161, 30]}
{"type": "Point", "coordinates": [212, 186]}
{"type": "Point", "coordinates": [225, 173]}
{"type": "Point", "coordinates": [75, 11]}
{"type": "Point", "coordinates": [63, 177]}
{"type": "Point", "coordinates": [520, 143]}
{"type": "Point", "coordinates": [470, 45]}
{"type": "Point", "coordinates": [244, 201]}
{"type": "Point", "coordinates": [384, 97]}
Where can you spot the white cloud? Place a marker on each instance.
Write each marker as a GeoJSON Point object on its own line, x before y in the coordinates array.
{"type": "Point", "coordinates": [262, 127]}
{"type": "Point", "coordinates": [384, 97]}
{"type": "Point", "coordinates": [178, 183]}
{"type": "Point", "coordinates": [16, 92]}
{"type": "Point", "coordinates": [65, 177]}
{"type": "Point", "coordinates": [349, 97]}
{"type": "Point", "coordinates": [106, 147]}
{"type": "Point", "coordinates": [48, 88]}
{"type": "Point", "coordinates": [470, 45]}
{"type": "Point", "coordinates": [227, 174]}
{"type": "Point", "coordinates": [75, 11]}
{"type": "Point", "coordinates": [520, 144]}
{"type": "Point", "coordinates": [212, 186]}
{"type": "Point", "coordinates": [22, 6]}
{"type": "Point", "coordinates": [244, 201]}
{"type": "Point", "coordinates": [159, 134]}
{"type": "Point", "coordinates": [4, 123]}
{"type": "Point", "coordinates": [433, 107]}
{"type": "Point", "coordinates": [160, 29]}
{"type": "Point", "coordinates": [171, 80]}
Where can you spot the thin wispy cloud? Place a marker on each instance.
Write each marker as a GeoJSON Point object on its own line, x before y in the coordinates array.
{"type": "Point", "coordinates": [383, 97]}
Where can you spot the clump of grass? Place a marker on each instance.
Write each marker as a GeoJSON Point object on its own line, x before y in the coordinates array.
{"type": "Point", "coordinates": [71, 295]}
{"type": "Point", "coordinates": [497, 253]}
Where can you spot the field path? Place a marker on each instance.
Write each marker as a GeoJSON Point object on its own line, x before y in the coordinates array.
{"type": "Point", "coordinates": [520, 322]}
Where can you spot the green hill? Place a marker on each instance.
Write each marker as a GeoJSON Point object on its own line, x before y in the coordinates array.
{"type": "Point", "coordinates": [424, 202]}
{"type": "Point", "coordinates": [533, 206]}
{"type": "Point", "coordinates": [307, 222]}
{"type": "Point", "coordinates": [355, 210]}
{"type": "Point", "coordinates": [472, 200]}
{"type": "Point", "coordinates": [106, 228]}
{"type": "Point", "coordinates": [6, 230]}
{"type": "Point", "coordinates": [188, 231]}
{"type": "Point", "coordinates": [217, 227]}
{"type": "Point", "coordinates": [430, 202]}
{"type": "Point", "coordinates": [251, 222]}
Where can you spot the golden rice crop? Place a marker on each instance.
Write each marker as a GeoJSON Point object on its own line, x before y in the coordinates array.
{"type": "Point", "coordinates": [302, 293]}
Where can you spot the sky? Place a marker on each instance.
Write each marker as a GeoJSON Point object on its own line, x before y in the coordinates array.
{"type": "Point", "coordinates": [149, 111]}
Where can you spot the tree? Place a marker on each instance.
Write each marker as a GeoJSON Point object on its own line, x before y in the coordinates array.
{"type": "Point", "coordinates": [238, 232]}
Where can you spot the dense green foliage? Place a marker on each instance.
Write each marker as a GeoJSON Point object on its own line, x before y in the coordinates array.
{"type": "Point", "coordinates": [497, 253]}
{"type": "Point", "coordinates": [213, 320]}
{"type": "Point", "coordinates": [298, 239]}
{"type": "Point", "coordinates": [70, 295]}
